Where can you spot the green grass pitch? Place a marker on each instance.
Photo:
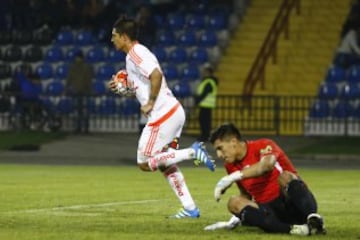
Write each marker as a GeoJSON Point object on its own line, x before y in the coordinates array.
{"type": "Point", "coordinates": [121, 202]}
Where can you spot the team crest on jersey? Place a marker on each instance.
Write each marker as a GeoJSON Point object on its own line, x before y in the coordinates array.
{"type": "Point", "coordinates": [267, 149]}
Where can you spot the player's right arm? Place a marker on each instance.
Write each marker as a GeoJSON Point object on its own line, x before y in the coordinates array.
{"type": "Point", "coordinates": [155, 85]}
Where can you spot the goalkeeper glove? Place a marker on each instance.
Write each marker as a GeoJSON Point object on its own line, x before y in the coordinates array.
{"type": "Point", "coordinates": [225, 183]}
{"type": "Point", "coordinates": [232, 223]}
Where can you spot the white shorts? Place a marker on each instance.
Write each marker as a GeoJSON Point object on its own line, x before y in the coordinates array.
{"type": "Point", "coordinates": [155, 137]}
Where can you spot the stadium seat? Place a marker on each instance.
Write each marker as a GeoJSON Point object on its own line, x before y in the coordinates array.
{"type": "Point", "coordinates": [320, 109]}
{"type": "Point", "coordinates": [199, 55]}
{"type": "Point", "coordinates": [95, 54]}
{"type": "Point", "coordinates": [195, 21]}
{"type": "Point", "coordinates": [176, 21]}
{"type": "Point", "coordinates": [217, 22]}
{"type": "Point", "coordinates": [64, 38]}
{"type": "Point", "coordinates": [342, 109]}
{"type": "Point", "coordinates": [353, 75]}
{"type": "Point", "coordinates": [165, 38]}
{"type": "Point", "coordinates": [62, 71]}
{"type": "Point", "coordinates": [171, 73]}
{"type": "Point", "coordinates": [42, 38]}
{"type": "Point", "coordinates": [25, 68]}
{"type": "Point", "coordinates": [130, 107]}
{"type": "Point", "coordinates": [208, 39]}
{"type": "Point", "coordinates": [55, 88]}
{"type": "Point", "coordinates": [99, 88]}
{"type": "Point", "coordinates": [182, 89]}
{"type": "Point", "coordinates": [335, 74]}
{"type": "Point", "coordinates": [65, 105]}
{"type": "Point", "coordinates": [160, 53]}
{"type": "Point", "coordinates": [178, 55]}
{"type": "Point", "coordinates": [33, 54]}
{"type": "Point", "coordinates": [5, 71]}
{"type": "Point", "coordinates": [350, 91]}
{"type": "Point", "coordinates": [84, 38]}
{"type": "Point", "coordinates": [187, 38]}
{"type": "Point", "coordinates": [115, 56]}
{"type": "Point", "coordinates": [328, 91]}
{"type": "Point", "coordinates": [12, 54]}
{"type": "Point", "coordinates": [104, 72]}
{"type": "Point", "coordinates": [190, 72]}
{"type": "Point", "coordinates": [22, 37]}
{"type": "Point", "coordinates": [108, 106]}
{"type": "Point", "coordinates": [71, 53]}
{"type": "Point", "coordinates": [54, 54]}
{"type": "Point", "coordinates": [91, 105]}
{"type": "Point", "coordinates": [44, 70]}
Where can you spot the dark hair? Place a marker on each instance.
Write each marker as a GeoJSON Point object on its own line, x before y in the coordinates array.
{"type": "Point", "coordinates": [127, 26]}
{"type": "Point", "coordinates": [225, 130]}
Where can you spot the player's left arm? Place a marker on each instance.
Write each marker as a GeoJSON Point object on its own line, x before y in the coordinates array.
{"type": "Point", "coordinates": [155, 81]}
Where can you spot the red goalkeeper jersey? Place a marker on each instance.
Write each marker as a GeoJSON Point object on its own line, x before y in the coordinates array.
{"type": "Point", "coordinates": [264, 188]}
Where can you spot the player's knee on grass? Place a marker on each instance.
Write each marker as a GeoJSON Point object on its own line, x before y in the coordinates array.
{"type": "Point", "coordinates": [238, 203]}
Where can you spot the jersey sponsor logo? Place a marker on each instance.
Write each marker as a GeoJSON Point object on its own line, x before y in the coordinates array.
{"type": "Point", "coordinates": [177, 185]}
{"type": "Point", "coordinates": [266, 150]}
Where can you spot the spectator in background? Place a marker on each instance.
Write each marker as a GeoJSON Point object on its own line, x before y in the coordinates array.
{"type": "Point", "coordinates": [79, 85]}
{"type": "Point", "coordinates": [206, 101]}
{"type": "Point", "coordinates": [348, 52]}
{"type": "Point", "coordinates": [147, 26]}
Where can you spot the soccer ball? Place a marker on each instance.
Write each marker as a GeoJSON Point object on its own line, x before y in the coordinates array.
{"type": "Point", "coordinates": [121, 81]}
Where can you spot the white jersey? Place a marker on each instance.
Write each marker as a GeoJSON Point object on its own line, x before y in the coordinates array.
{"type": "Point", "coordinates": [140, 63]}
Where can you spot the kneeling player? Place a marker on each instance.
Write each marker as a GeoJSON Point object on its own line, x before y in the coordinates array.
{"type": "Point", "coordinates": [272, 195]}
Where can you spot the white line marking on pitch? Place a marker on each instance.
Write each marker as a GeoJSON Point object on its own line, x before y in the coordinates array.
{"type": "Point", "coordinates": [75, 207]}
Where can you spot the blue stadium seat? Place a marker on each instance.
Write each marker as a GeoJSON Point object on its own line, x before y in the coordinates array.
{"type": "Point", "coordinates": [130, 107]}
{"type": "Point", "coordinates": [115, 56]}
{"type": "Point", "coordinates": [182, 89]}
{"type": "Point", "coordinates": [190, 72]}
{"type": "Point", "coordinates": [178, 55]}
{"type": "Point", "coordinates": [187, 38]}
{"type": "Point", "coordinates": [195, 21]}
{"type": "Point", "coordinates": [165, 38]}
{"type": "Point", "coordinates": [62, 71]}
{"type": "Point", "coordinates": [160, 53]}
{"type": "Point", "coordinates": [170, 71]}
{"type": "Point", "coordinates": [350, 91]}
{"type": "Point", "coordinates": [44, 70]}
{"type": "Point", "coordinates": [55, 88]}
{"type": "Point", "coordinates": [105, 72]}
{"type": "Point", "coordinates": [354, 74]}
{"type": "Point", "coordinates": [99, 88]}
{"type": "Point", "coordinates": [342, 109]}
{"type": "Point", "coordinates": [176, 21]}
{"type": "Point", "coordinates": [356, 112]}
{"type": "Point", "coordinates": [54, 54]}
{"type": "Point", "coordinates": [217, 22]}
{"type": "Point", "coordinates": [64, 38]}
{"type": "Point", "coordinates": [199, 55]}
{"type": "Point", "coordinates": [328, 91]}
{"type": "Point", "coordinates": [71, 54]}
{"type": "Point", "coordinates": [108, 106]}
{"type": "Point", "coordinates": [65, 105]}
{"type": "Point", "coordinates": [335, 74]}
{"type": "Point", "coordinates": [91, 105]}
{"type": "Point", "coordinates": [320, 109]}
{"type": "Point", "coordinates": [95, 54]}
{"type": "Point", "coordinates": [84, 38]}
{"type": "Point", "coordinates": [208, 39]}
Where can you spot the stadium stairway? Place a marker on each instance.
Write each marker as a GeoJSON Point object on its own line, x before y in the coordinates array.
{"type": "Point", "coordinates": [304, 58]}
{"type": "Point", "coordinates": [245, 44]}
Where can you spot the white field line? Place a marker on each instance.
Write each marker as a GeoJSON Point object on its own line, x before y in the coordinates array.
{"type": "Point", "coordinates": [82, 206]}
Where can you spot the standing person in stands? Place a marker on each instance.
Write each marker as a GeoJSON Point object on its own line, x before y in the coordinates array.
{"type": "Point", "coordinates": [206, 101]}
{"type": "Point", "coordinates": [157, 146]}
{"type": "Point", "coordinates": [79, 85]}
{"type": "Point", "coordinates": [272, 195]}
